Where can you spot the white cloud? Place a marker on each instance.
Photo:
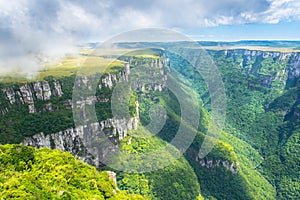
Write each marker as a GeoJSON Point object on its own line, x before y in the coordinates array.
{"type": "Point", "coordinates": [281, 10]}
{"type": "Point", "coordinates": [28, 38]}
{"type": "Point", "coordinates": [38, 29]}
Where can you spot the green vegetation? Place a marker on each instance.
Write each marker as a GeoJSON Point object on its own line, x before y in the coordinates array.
{"type": "Point", "coordinates": [26, 173]}
{"type": "Point", "coordinates": [261, 136]}
{"type": "Point", "coordinates": [145, 53]}
{"type": "Point", "coordinates": [18, 123]}
{"type": "Point", "coordinates": [263, 111]}
{"type": "Point", "coordinates": [215, 182]}
{"type": "Point", "coordinates": [175, 181]}
{"type": "Point", "coordinates": [88, 62]}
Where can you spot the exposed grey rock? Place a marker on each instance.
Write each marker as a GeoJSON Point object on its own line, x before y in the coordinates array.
{"type": "Point", "coordinates": [29, 92]}
{"type": "Point", "coordinates": [38, 90]}
{"type": "Point", "coordinates": [85, 141]}
{"type": "Point", "coordinates": [233, 167]}
{"type": "Point", "coordinates": [68, 104]}
{"type": "Point", "coordinates": [109, 80]}
{"type": "Point", "coordinates": [112, 176]}
{"type": "Point", "coordinates": [46, 90]}
{"type": "Point", "coordinates": [288, 73]}
{"type": "Point", "coordinates": [20, 97]}
{"type": "Point", "coordinates": [42, 90]}
{"type": "Point", "coordinates": [84, 82]}
{"type": "Point", "coordinates": [10, 94]}
{"type": "Point", "coordinates": [294, 70]}
{"type": "Point", "coordinates": [57, 89]}
{"type": "Point", "coordinates": [148, 77]}
{"type": "Point", "coordinates": [127, 71]}
{"type": "Point", "coordinates": [102, 100]}
{"type": "Point", "coordinates": [31, 108]}
{"type": "Point", "coordinates": [26, 92]}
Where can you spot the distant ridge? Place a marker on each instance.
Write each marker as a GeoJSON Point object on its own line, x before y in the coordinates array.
{"type": "Point", "coordinates": [262, 43]}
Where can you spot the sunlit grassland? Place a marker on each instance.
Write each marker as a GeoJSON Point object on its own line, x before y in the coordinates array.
{"type": "Point", "coordinates": [145, 53]}
{"type": "Point", "coordinates": [71, 65]}
{"type": "Point", "coordinates": [87, 62]}
{"type": "Point", "coordinates": [82, 65]}
{"type": "Point", "coordinates": [139, 53]}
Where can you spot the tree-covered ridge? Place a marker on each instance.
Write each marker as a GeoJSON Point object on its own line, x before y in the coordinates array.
{"type": "Point", "coordinates": [263, 110]}
{"type": "Point", "coordinates": [177, 180]}
{"type": "Point", "coordinates": [28, 173]}
{"type": "Point", "coordinates": [262, 91]}
{"type": "Point", "coordinates": [223, 173]}
{"type": "Point", "coordinates": [220, 182]}
{"type": "Point", "coordinates": [283, 167]}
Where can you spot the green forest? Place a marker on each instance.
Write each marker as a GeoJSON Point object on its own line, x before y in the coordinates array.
{"type": "Point", "coordinates": [28, 173]}
{"type": "Point", "coordinates": [255, 157]}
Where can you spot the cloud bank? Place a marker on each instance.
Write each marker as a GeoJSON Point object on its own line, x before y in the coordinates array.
{"type": "Point", "coordinates": [34, 31]}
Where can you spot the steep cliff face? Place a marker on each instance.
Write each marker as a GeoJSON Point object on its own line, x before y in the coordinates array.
{"type": "Point", "coordinates": [80, 141]}
{"type": "Point", "coordinates": [294, 62]}
{"type": "Point", "coordinates": [270, 66]}
{"type": "Point", "coordinates": [44, 91]}
{"type": "Point", "coordinates": [28, 93]}
{"type": "Point", "coordinates": [148, 74]}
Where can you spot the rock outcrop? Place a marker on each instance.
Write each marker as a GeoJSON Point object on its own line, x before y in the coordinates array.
{"type": "Point", "coordinates": [148, 74]}
{"type": "Point", "coordinates": [10, 94]}
{"type": "Point", "coordinates": [91, 142]}
{"type": "Point", "coordinates": [286, 66]}
{"type": "Point", "coordinates": [28, 93]}
{"type": "Point", "coordinates": [294, 70]}
{"type": "Point", "coordinates": [42, 90]}
{"type": "Point", "coordinates": [233, 167]}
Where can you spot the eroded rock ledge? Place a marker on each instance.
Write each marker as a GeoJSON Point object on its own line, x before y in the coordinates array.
{"type": "Point", "coordinates": [83, 141]}
{"type": "Point", "coordinates": [233, 167]}
{"type": "Point", "coordinates": [27, 93]}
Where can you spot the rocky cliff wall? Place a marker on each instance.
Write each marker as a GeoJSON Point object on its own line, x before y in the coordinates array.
{"type": "Point", "coordinates": [152, 78]}
{"type": "Point", "coordinates": [83, 141]}
{"type": "Point", "coordinates": [28, 93]}
{"type": "Point", "coordinates": [272, 66]}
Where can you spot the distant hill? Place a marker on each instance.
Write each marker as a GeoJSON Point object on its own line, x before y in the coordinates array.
{"type": "Point", "coordinates": [260, 43]}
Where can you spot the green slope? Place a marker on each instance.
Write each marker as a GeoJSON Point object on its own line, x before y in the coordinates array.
{"type": "Point", "coordinates": [262, 117]}
{"type": "Point", "coordinates": [217, 182]}
{"type": "Point", "coordinates": [177, 180]}
{"type": "Point", "coordinates": [28, 173]}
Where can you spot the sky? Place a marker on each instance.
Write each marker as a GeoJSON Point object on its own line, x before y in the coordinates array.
{"type": "Point", "coordinates": [34, 31]}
